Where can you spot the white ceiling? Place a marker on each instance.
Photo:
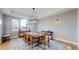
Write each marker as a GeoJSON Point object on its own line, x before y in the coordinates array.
{"type": "Point", "coordinates": [39, 13]}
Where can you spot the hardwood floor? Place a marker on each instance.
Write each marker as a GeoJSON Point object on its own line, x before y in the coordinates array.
{"type": "Point", "coordinates": [4, 46]}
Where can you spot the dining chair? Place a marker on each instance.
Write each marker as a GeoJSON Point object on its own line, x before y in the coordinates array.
{"type": "Point", "coordinates": [21, 34]}
{"type": "Point", "coordinates": [50, 33]}
{"type": "Point", "coordinates": [45, 41]}
{"type": "Point", "coordinates": [26, 37]}
{"type": "Point", "coordinates": [32, 40]}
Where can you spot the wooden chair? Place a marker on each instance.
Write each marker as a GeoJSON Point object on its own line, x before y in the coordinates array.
{"type": "Point", "coordinates": [50, 33]}
{"type": "Point", "coordinates": [32, 41]}
{"type": "Point", "coordinates": [45, 40]}
{"type": "Point", "coordinates": [21, 34]}
{"type": "Point", "coordinates": [26, 37]}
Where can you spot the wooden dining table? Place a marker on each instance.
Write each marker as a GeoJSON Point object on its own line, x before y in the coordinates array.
{"type": "Point", "coordinates": [36, 36]}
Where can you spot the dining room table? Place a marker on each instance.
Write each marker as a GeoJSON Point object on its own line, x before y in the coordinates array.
{"type": "Point", "coordinates": [37, 36]}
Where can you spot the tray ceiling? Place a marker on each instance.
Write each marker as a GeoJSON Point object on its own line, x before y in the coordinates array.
{"type": "Point", "coordinates": [38, 13]}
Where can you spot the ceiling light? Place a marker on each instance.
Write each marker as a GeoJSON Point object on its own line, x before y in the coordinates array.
{"type": "Point", "coordinates": [33, 18]}
{"type": "Point", "coordinates": [33, 14]}
{"type": "Point", "coordinates": [58, 20]}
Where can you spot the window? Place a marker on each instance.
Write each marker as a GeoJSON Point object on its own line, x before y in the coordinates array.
{"type": "Point", "coordinates": [15, 25]}
{"type": "Point", "coordinates": [23, 22]}
{"type": "Point", "coordinates": [0, 22]}
{"type": "Point", "coordinates": [29, 25]}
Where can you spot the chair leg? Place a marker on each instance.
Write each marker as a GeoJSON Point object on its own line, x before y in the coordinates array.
{"type": "Point", "coordinates": [32, 44]}
{"type": "Point", "coordinates": [49, 43]}
{"type": "Point", "coordinates": [51, 37]}
{"type": "Point", "coordinates": [44, 45]}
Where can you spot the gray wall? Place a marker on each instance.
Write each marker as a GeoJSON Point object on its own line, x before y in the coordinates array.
{"type": "Point", "coordinates": [1, 26]}
{"type": "Point", "coordinates": [34, 28]}
{"type": "Point", "coordinates": [65, 29]}
{"type": "Point", "coordinates": [78, 27]}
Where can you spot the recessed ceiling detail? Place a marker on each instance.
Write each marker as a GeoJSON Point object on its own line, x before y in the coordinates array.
{"type": "Point", "coordinates": [39, 13]}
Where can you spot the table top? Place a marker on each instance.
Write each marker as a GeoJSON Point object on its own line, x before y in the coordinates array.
{"type": "Point", "coordinates": [36, 34]}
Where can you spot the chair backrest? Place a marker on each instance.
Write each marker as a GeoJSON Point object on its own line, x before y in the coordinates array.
{"type": "Point", "coordinates": [30, 38]}
{"type": "Point", "coordinates": [46, 38]}
{"type": "Point", "coordinates": [25, 35]}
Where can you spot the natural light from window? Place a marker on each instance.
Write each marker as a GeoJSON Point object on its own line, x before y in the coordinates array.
{"type": "Point", "coordinates": [15, 25]}
{"type": "Point", "coordinates": [0, 22]}
{"type": "Point", "coordinates": [23, 22]}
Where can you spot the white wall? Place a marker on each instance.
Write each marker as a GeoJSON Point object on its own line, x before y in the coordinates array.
{"type": "Point", "coordinates": [65, 29]}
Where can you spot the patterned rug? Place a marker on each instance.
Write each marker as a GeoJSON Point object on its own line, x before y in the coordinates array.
{"type": "Point", "coordinates": [19, 44]}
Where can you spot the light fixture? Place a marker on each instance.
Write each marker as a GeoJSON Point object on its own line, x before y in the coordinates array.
{"type": "Point", "coordinates": [33, 12]}
{"type": "Point", "coordinates": [57, 20]}
{"type": "Point", "coordinates": [33, 18]}
{"type": "Point", "coordinates": [33, 8]}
